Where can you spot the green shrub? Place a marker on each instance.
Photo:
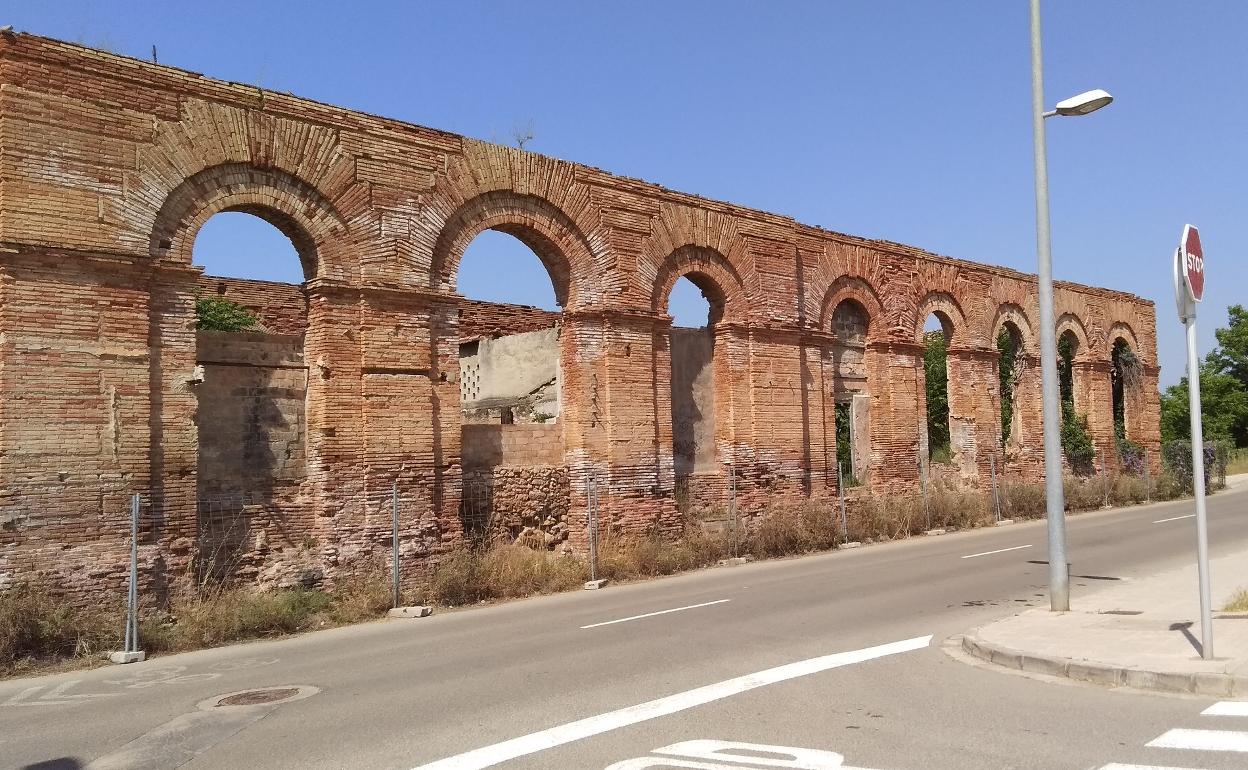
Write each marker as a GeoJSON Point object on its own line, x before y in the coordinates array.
{"type": "Point", "coordinates": [1076, 440]}
{"type": "Point", "coordinates": [223, 315]}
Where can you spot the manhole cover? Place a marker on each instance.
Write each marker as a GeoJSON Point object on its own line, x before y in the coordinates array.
{"type": "Point", "coordinates": [256, 697]}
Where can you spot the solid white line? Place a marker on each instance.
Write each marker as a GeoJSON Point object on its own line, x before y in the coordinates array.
{"type": "Point", "coordinates": [999, 550]}
{"type": "Point", "coordinates": [652, 614]}
{"type": "Point", "coordinates": [488, 756]}
{"type": "Point", "coordinates": [1174, 518]}
{"type": "Point", "coordinates": [1116, 766]}
{"type": "Point", "coordinates": [1201, 740]}
{"type": "Point", "coordinates": [1227, 708]}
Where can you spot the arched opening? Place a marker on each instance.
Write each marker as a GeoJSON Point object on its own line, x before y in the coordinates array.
{"type": "Point", "coordinates": [851, 392]}
{"type": "Point", "coordinates": [1009, 368]}
{"type": "Point", "coordinates": [251, 384]}
{"type": "Point", "coordinates": [1076, 438]}
{"type": "Point", "coordinates": [937, 332]}
{"type": "Point", "coordinates": [515, 483]}
{"type": "Point", "coordinates": [695, 304]}
{"type": "Point", "coordinates": [1126, 382]}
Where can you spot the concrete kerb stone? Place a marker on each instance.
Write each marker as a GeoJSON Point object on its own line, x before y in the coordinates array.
{"type": "Point", "coordinates": [934, 532]}
{"type": "Point", "coordinates": [122, 658]}
{"type": "Point", "coordinates": [594, 585]}
{"type": "Point", "coordinates": [1005, 522]}
{"type": "Point", "coordinates": [1212, 684]}
{"type": "Point", "coordinates": [415, 611]}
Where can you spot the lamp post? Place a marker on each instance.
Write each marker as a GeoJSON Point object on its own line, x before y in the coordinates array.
{"type": "Point", "coordinates": [1055, 504]}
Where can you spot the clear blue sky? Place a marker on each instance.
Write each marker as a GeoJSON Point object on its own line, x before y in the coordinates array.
{"type": "Point", "coordinates": [901, 120]}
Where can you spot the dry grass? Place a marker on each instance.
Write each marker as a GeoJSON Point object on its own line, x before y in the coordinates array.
{"type": "Point", "coordinates": [502, 572]}
{"type": "Point", "coordinates": [37, 628]}
{"type": "Point", "coordinates": [1238, 602]}
{"type": "Point", "coordinates": [1237, 461]}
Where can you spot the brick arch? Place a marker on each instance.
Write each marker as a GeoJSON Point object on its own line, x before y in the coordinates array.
{"type": "Point", "coordinates": [1069, 322]}
{"type": "Point", "coordinates": [947, 310]}
{"type": "Point", "coordinates": [710, 272]}
{"type": "Point", "coordinates": [860, 291]}
{"type": "Point", "coordinates": [1013, 314]}
{"type": "Point", "coordinates": [288, 203]}
{"type": "Point", "coordinates": [1122, 330]}
{"type": "Point", "coordinates": [680, 232]}
{"type": "Point", "coordinates": [536, 222]}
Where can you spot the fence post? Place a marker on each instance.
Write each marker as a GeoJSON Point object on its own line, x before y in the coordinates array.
{"type": "Point", "coordinates": [996, 497]}
{"type": "Point", "coordinates": [394, 544]}
{"type": "Point", "coordinates": [591, 512]}
{"type": "Point", "coordinates": [927, 513]}
{"type": "Point", "coordinates": [131, 652]}
{"type": "Point", "coordinates": [840, 491]}
{"type": "Point", "coordinates": [734, 510]}
{"type": "Point", "coordinates": [1148, 484]}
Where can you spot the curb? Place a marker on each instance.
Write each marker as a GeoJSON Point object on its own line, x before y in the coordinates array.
{"type": "Point", "coordinates": [1198, 683]}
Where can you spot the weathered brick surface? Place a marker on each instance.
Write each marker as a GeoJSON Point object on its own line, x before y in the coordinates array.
{"type": "Point", "coordinates": [109, 166]}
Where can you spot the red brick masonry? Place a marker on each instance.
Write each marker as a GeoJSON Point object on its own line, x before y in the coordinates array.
{"type": "Point", "coordinates": [109, 166]}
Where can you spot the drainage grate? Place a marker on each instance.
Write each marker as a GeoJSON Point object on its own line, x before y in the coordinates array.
{"type": "Point", "coordinates": [257, 697]}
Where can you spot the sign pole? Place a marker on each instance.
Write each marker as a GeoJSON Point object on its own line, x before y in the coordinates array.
{"type": "Point", "coordinates": [1198, 479]}
{"type": "Point", "coordinates": [1189, 287]}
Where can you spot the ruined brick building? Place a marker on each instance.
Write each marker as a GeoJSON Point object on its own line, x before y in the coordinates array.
{"type": "Point", "coordinates": [363, 374]}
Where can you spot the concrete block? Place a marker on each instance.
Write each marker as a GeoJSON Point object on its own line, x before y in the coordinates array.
{"type": "Point", "coordinates": [735, 561]}
{"type": "Point", "coordinates": [1038, 664]}
{"type": "Point", "coordinates": [1005, 522]}
{"type": "Point", "coordinates": [415, 611]}
{"type": "Point", "coordinates": [1109, 676]}
{"type": "Point", "coordinates": [127, 657]}
{"type": "Point", "coordinates": [1214, 684]}
{"type": "Point", "coordinates": [934, 532]}
{"type": "Point", "coordinates": [1008, 658]}
{"type": "Point", "coordinates": [850, 544]}
{"type": "Point", "coordinates": [594, 585]}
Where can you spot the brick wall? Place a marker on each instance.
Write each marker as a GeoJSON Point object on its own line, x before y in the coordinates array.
{"type": "Point", "coordinates": [487, 446]}
{"type": "Point", "coordinates": [111, 165]}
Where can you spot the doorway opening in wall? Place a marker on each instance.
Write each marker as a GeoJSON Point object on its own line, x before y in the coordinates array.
{"type": "Point", "coordinates": [1077, 443]}
{"type": "Point", "coordinates": [937, 331]}
{"type": "Point", "coordinates": [251, 388]}
{"type": "Point", "coordinates": [1009, 365]}
{"type": "Point", "coordinates": [515, 482]}
{"type": "Point", "coordinates": [851, 392]}
{"type": "Point", "coordinates": [1126, 380]}
{"type": "Point", "coordinates": [694, 311]}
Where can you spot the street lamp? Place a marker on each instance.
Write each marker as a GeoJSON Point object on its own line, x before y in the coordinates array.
{"type": "Point", "coordinates": [1055, 504]}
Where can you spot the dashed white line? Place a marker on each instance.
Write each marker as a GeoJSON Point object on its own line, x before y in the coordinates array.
{"type": "Point", "coordinates": [1201, 740]}
{"type": "Point", "coordinates": [488, 756]}
{"type": "Point", "coordinates": [1117, 766]}
{"type": "Point", "coordinates": [999, 550]}
{"type": "Point", "coordinates": [652, 614]}
{"type": "Point", "coordinates": [1227, 708]}
{"type": "Point", "coordinates": [1174, 518]}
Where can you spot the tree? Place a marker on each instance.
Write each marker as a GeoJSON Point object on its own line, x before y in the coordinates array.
{"type": "Point", "coordinates": [1223, 389]}
{"type": "Point", "coordinates": [222, 315]}
{"type": "Point", "coordinates": [1231, 355]}
{"type": "Point", "coordinates": [936, 372]}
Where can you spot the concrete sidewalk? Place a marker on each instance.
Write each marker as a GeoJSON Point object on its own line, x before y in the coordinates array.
{"type": "Point", "coordinates": [1143, 634]}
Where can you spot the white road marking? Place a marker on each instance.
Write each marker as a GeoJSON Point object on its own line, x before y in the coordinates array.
{"type": "Point", "coordinates": [652, 614]}
{"type": "Point", "coordinates": [488, 756]}
{"type": "Point", "coordinates": [1116, 766]}
{"type": "Point", "coordinates": [999, 550]}
{"type": "Point", "coordinates": [1227, 708]}
{"type": "Point", "coordinates": [1174, 518]}
{"type": "Point", "coordinates": [1201, 740]}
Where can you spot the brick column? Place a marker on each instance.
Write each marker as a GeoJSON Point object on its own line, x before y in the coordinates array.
{"type": "Point", "coordinates": [895, 382]}
{"type": "Point", "coordinates": [974, 410]}
{"type": "Point", "coordinates": [1024, 450]}
{"type": "Point", "coordinates": [1094, 398]}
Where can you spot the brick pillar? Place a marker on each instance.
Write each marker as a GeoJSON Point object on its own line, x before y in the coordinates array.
{"type": "Point", "coordinates": [335, 433]}
{"type": "Point", "coordinates": [734, 423]}
{"type": "Point", "coordinates": [895, 382]}
{"type": "Point", "coordinates": [1094, 398]}
{"type": "Point", "coordinates": [1144, 419]}
{"type": "Point", "coordinates": [819, 414]}
{"type": "Point", "coordinates": [974, 411]}
{"type": "Point", "coordinates": [1024, 450]}
{"type": "Point", "coordinates": [173, 436]}
{"type": "Point", "coordinates": [584, 403]}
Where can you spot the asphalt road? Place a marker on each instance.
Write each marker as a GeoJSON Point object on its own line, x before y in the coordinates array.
{"type": "Point", "coordinates": [826, 653]}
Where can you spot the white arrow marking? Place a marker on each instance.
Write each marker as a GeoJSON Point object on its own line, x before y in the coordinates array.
{"type": "Point", "coordinates": [57, 696]}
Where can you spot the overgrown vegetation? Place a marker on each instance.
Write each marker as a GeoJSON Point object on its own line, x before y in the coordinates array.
{"type": "Point", "coordinates": [936, 375]}
{"type": "Point", "coordinates": [1223, 390]}
{"type": "Point", "coordinates": [223, 315]}
{"type": "Point", "coordinates": [1007, 372]}
{"type": "Point", "coordinates": [1237, 603]}
{"type": "Point", "coordinates": [38, 629]}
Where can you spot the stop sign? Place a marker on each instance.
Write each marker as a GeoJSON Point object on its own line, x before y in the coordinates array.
{"type": "Point", "coordinates": [1193, 261]}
